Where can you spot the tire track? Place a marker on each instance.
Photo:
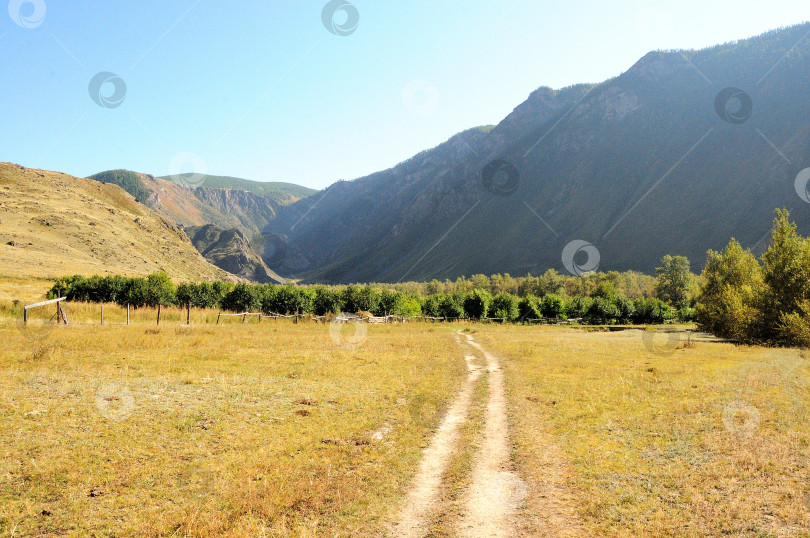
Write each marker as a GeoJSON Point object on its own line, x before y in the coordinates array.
{"type": "Point", "coordinates": [423, 497]}
{"type": "Point", "coordinates": [496, 491]}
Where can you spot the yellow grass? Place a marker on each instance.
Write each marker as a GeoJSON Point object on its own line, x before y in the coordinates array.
{"type": "Point", "coordinates": [242, 430]}
{"type": "Point", "coordinates": [58, 225]}
{"type": "Point", "coordinates": [273, 429]}
{"type": "Point", "coordinates": [648, 450]}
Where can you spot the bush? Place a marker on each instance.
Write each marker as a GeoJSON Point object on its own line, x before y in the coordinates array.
{"type": "Point", "coordinates": [242, 298]}
{"type": "Point", "coordinates": [651, 310]}
{"type": "Point", "coordinates": [476, 304]}
{"type": "Point", "coordinates": [505, 305]}
{"type": "Point", "coordinates": [529, 308]}
{"type": "Point", "coordinates": [326, 301]}
{"type": "Point", "coordinates": [552, 306]}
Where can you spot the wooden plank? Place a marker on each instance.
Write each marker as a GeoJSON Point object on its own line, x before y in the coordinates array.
{"type": "Point", "coordinates": [44, 303]}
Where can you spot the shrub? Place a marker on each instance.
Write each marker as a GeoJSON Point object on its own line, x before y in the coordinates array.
{"type": "Point", "coordinates": [505, 305]}
{"type": "Point", "coordinates": [476, 303]}
{"type": "Point", "coordinates": [552, 306]}
{"type": "Point", "coordinates": [242, 298]}
{"type": "Point", "coordinates": [651, 310]}
{"type": "Point", "coordinates": [326, 301]}
{"type": "Point", "coordinates": [529, 308]}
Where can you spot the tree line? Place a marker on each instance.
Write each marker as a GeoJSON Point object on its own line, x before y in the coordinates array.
{"type": "Point", "coordinates": [737, 296]}
{"type": "Point", "coordinates": [597, 298]}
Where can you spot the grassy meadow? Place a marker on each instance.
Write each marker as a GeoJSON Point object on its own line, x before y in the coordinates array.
{"type": "Point", "coordinates": [236, 429]}
{"type": "Point", "coordinates": [284, 429]}
{"type": "Point", "coordinates": [697, 438]}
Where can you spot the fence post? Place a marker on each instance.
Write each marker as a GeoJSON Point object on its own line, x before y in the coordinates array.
{"type": "Point", "coordinates": [62, 314]}
{"type": "Point", "coordinates": [102, 315]}
{"type": "Point", "coordinates": [127, 313]}
{"type": "Point", "coordinates": [244, 318]}
{"type": "Point", "coordinates": [158, 316]}
{"type": "Point", "coordinates": [218, 314]}
{"type": "Point", "coordinates": [188, 314]}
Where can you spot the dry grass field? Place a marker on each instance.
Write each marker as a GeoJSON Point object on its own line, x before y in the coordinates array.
{"type": "Point", "coordinates": [274, 429]}
{"type": "Point", "coordinates": [711, 439]}
{"type": "Point", "coordinates": [242, 430]}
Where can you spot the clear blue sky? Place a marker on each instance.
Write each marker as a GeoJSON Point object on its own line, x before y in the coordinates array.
{"type": "Point", "coordinates": [261, 89]}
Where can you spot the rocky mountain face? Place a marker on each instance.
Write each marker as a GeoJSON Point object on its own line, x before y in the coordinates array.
{"type": "Point", "coordinates": [675, 156]}
{"type": "Point", "coordinates": [225, 225]}
{"type": "Point", "coordinates": [230, 250]}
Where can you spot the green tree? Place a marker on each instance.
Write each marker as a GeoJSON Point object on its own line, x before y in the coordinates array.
{"type": "Point", "coordinates": [159, 290]}
{"type": "Point", "coordinates": [786, 274]}
{"type": "Point", "coordinates": [505, 305]}
{"type": "Point", "coordinates": [476, 303]}
{"type": "Point", "coordinates": [732, 287]}
{"type": "Point", "coordinates": [529, 308]}
{"type": "Point", "coordinates": [552, 306]}
{"type": "Point", "coordinates": [326, 301]}
{"type": "Point", "coordinates": [242, 298]}
{"type": "Point", "coordinates": [674, 281]}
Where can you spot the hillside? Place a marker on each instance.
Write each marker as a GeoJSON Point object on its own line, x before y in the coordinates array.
{"type": "Point", "coordinates": [230, 250]}
{"type": "Point", "coordinates": [52, 224]}
{"type": "Point", "coordinates": [224, 208]}
{"type": "Point", "coordinates": [281, 192]}
{"type": "Point", "coordinates": [640, 166]}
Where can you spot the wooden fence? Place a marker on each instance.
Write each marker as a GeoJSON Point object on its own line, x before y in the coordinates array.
{"type": "Point", "coordinates": [61, 316]}
{"type": "Point", "coordinates": [259, 316]}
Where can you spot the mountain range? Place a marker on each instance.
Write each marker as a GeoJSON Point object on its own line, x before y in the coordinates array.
{"type": "Point", "coordinates": [674, 156]}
